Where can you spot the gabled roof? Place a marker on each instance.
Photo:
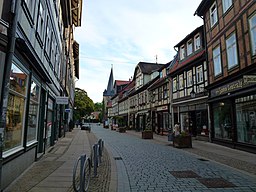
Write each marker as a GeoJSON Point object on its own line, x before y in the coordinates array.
{"type": "Point", "coordinates": [189, 36]}
{"type": "Point", "coordinates": [126, 89]}
{"type": "Point", "coordinates": [203, 7]}
{"type": "Point", "coordinates": [147, 68]}
{"type": "Point", "coordinates": [158, 83]}
{"type": "Point", "coordinates": [120, 82]}
{"type": "Point", "coordinates": [179, 65]}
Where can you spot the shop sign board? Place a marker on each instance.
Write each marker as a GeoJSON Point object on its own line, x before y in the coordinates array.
{"type": "Point", "coordinates": [62, 100]}
{"type": "Point", "coordinates": [247, 80]}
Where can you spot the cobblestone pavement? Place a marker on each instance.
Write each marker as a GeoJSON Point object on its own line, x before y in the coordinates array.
{"type": "Point", "coordinates": [101, 182]}
{"type": "Point", "coordinates": [148, 166]}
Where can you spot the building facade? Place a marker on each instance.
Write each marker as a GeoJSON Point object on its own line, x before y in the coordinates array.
{"type": "Point", "coordinates": [39, 62]}
{"type": "Point", "coordinates": [230, 28]}
{"type": "Point", "coordinates": [189, 80]}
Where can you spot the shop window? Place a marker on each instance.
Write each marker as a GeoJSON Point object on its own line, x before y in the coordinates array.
{"type": "Point", "coordinates": [213, 14]}
{"type": "Point", "coordinates": [252, 23]}
{"type": "Point", "coordinates": [246, 119]}
{"type": "Point", "coordinates": [217, 61]}
{"type": "Point", "coordinates": [222, 120]}
{"type": "Point", "coordinates": [15, 109]}
{"type": "Point", "coordinates": [33, 112]}
{"type": "Point", "coordinates": [232, 51]}
{"type": "Point", "coordinates": [49, 121]}
{"type": "Point", "coordinates": [226, 4]}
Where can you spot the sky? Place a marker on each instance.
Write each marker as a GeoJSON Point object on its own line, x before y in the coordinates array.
{"type": "Point", "coordinates": [122, 33]}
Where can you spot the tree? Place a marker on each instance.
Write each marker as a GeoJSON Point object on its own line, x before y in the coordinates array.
{"type": "Point", "coordinates": [98, 106]}
{"type": "Point", "coordinates": [83, 104]}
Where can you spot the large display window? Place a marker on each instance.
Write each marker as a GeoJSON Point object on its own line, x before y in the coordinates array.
{"type": "Point", "coordinates": [222, 120]}
{"type": "Point", "coordinates": [33, 112]}
{"type": "Point", "coordinates": [15, 109]}
{"type": "Point", "coordinates": [246, 119]}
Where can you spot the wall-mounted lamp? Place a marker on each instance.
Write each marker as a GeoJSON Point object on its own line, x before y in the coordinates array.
{"type": "Point", "coordinates": [192, 93]}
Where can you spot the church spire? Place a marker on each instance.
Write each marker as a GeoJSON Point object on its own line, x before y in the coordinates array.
{"type": "Point", "coordinates": [109, 90]}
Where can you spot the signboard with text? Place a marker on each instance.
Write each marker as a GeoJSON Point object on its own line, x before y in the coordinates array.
{"type": "Point", "coordinates": [62, 100]}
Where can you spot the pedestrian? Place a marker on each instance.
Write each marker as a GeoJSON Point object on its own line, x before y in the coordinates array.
{"type": "Point", "coordinates": [176, 129]}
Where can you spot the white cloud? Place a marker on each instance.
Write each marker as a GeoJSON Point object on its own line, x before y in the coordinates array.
{"type": "Point", "coordinates": [124, 33]}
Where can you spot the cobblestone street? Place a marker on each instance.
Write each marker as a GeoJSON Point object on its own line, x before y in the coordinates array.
{"type": "Point", "coordinates": [143, 165]}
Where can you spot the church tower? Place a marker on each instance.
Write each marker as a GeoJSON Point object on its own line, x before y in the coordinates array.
{"type": "Point", "coordinates": [107, 94]}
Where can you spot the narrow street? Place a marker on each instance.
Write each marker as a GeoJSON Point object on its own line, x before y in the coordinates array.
{"type": "Point", "coordinates": [147, 165]}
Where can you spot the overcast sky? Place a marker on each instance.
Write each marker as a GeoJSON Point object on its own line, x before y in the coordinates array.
{"type": "Point", "coordinates": [125, 32]}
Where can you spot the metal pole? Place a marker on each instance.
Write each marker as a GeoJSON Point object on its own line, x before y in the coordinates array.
{"type": "Point", "coordinates": [1, 159]}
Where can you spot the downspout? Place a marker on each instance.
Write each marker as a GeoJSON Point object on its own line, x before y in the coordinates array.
{"type": "Point", "coordinates": [15, 5]}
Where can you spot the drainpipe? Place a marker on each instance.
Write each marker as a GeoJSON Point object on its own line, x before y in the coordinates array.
{"type": "Point", "coordinates": [15, 5]}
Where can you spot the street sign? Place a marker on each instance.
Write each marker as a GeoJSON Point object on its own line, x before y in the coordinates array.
{"type": "Point", "coordinates": [67, 110]}
{"type": "Point", "coordinates": [62, 100]}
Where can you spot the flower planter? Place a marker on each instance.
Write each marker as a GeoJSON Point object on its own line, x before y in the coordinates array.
{"type": "Point", "coordinates": [147, 134]}
{"type": "Point", "coordinates": [182, 141]}
{"type": "Point", "coordinates": [121, 129]}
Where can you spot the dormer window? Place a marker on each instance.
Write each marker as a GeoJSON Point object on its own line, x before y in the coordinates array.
{"type": "Point", "coordinates": [197, 42]}
{"type": "Point", "coordinates": [182, 52]}
{"type": "Point", "coordinates": [189, 47]}
{"type": "Point", "coordinates": [213, 14]}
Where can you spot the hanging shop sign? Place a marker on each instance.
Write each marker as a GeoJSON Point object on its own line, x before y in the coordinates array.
{"type": "Point", "coordinates": [62, 100]}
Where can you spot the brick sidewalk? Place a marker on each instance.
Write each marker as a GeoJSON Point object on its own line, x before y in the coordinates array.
{"type": "Point", "coordinates": [53, 172]}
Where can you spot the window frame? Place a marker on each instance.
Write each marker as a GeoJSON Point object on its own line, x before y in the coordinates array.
{"type": "Point", "coordinates": [189, 78]}
{"type": "Point", "coordinates": [213, 14]}
{"type": "Point", "coordinates": [181, 82]}
{"type": "Point", "coordinates": [174, 84]}
{"type": "Point", "coordinates": [199, 74]}
{"type": "Point", "coordinates": [227, 5]}
{"type": "Point", "coordinates": [189, 47]}
{"type": "Point", "coordinates": [218, 56]}
{"type": "Point", "coordinates": [231, 50]}
{"type": "Point", "coordinates": [197, 39]}
{"type": "Point", "coordinates": [182, 52]}
{"type": "Point", "coordinates": [23, 96]}
{"type": "Point", "coordinates": [33, 79]}
{"type": "Point", "coordinates": [252, 35]}
{"type": "Point", "coordinates": [40, 29]}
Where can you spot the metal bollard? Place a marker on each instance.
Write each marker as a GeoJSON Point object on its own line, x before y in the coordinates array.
{"type": "Point", "coordinates": [95, 159]}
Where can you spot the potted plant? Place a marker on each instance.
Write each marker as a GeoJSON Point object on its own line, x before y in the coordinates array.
{"type": "Point", "coordinates": [183, 140]}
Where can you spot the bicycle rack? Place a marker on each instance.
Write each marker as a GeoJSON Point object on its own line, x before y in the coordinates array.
{"type": "Point", "coordinates": [96, 155]}
{"type": "Point", "coordinates": [81, 181]}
